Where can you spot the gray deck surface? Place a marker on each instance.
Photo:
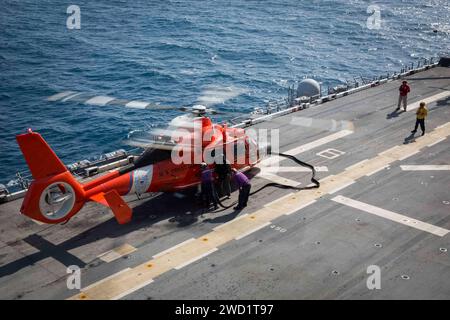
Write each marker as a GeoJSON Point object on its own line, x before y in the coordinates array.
{"type": "Point", "coordinates": [268, 264]}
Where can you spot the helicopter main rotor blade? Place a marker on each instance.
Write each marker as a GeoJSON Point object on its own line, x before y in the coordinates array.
{"type": "Point", "coordinates": [214, 111]}
{"type": "Point", "coordinates": [93, 100]}
{"type": "Point", "coordinates": [213, 95]}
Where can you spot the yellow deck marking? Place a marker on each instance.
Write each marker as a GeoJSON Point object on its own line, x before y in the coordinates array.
{"type": "Point", "coordinates": [116, 253]}
{"type": "Point", "coordinates": [345, 185]}
{"type": "Point", "coordinates": [131, 290]}
{"type": "Point", "coordinates": [139, 276]}
{"type": "Point", "coordinates": [356, 165]}
{"type": "Point", "coordinates": [173, 248]}
{"type": "Point", "coordinates": [103, 280]}
{"type": "Point", "coordinates": [184, 264]}
{"type": "Point", "coordinates": [279, 200]}
{"type": "Point", "coordinates": [377, 170]}
{"type": "Point", "coordinates": [223, 225]}
{"type": "Point", "coordinates": [436, 142]}
{"type": "Point", "coordinates": [299, 207]}
{"type": "Point", "coordinates": [252, 230]}
{"type": "Point", "coordinates": [408, 155]}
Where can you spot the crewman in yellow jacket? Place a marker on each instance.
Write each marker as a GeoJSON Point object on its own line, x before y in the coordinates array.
{"type": "Point", "coordinates": [421, 114]}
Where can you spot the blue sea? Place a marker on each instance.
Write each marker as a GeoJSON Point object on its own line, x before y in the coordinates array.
{"type": "Point", "coordinates": [170, 51]}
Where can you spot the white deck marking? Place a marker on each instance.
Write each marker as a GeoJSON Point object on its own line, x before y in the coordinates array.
{"type": "Point", "coordinates": [127, 292]}
{"type": "Point", "coordinates": [428, 100]}
{"type": "Point", "coordinates": [319, 142]}
{"type": "Point", "coordinates": [269, 161]}
{"type": "Point", "coordinates": [173, 248]}
{"type": "Point", "coordinates": [330, 153]}
{"type": "Point", "coordinates": [436, 142]}
{"type": "Point", "coordinates": [417, 224]}
{"type": "Point", "coordinates": [184, 264]}
{"type": "Point", "coordinates": [105, 279]}
{"type": "Point", "coordinates": [137, 104]}
{"type": "Point", "coordinates": [342, 187]}
{"type": "Point", "coordinates": [99, 100]}
{"type": "Point", "coordinates": [252, 230]}
{"type": "Point", "coordinates": [275, 159]}
{"type": "Point", "coordinates": [425, 167]}
{"type": "Point", "coordinates": [277, 179]}
{"type": "Point", "coordinates": [60, 95]}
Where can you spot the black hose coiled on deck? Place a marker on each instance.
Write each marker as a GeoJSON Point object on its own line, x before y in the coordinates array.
{"type": "Point", "coordinates": [283, 186]}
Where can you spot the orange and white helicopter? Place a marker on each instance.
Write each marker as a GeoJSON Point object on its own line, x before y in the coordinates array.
{"type": "Point", "coordinates": [169, 163]}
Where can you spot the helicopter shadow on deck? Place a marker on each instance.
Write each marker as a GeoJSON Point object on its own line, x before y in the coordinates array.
{"type": "Point", "coordinates": [183, 212]}
{"type": "Point", "coordinates": [443, 102]}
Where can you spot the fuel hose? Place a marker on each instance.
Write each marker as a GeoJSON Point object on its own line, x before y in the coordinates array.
{"type": "Point", "coordinates": [315, 182]}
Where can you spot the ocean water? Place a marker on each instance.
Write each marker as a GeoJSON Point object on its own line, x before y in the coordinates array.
{"type": "Point", "coordinates": [170, 51]}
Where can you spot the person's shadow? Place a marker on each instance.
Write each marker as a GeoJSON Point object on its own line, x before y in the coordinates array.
{"type": "Point", "coordinates": [394, 114]}
{"type": "Point", "coordinates": [225, 218]}
{"type": "Point", "coordinates": [409, 139]}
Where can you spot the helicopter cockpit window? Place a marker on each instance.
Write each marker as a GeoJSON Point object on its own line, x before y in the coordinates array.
{"type": "Point", "coordinates": [152, 156]}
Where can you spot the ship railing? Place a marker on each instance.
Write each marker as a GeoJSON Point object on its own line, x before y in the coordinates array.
{"type": "Point", "coordinates": [290, 104]}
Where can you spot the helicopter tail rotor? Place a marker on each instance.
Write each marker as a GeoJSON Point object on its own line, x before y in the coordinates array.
{"type": "Point", "coordinates": [55, 195]}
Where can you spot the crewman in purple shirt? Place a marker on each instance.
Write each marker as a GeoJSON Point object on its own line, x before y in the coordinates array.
{"type": "Point", "coordinates": [208, 190]}
{"type": "Point", "coordinates": [244, 186]}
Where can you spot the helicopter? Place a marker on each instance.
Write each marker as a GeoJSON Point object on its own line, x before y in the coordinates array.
{"type": "Point", "coordinates": [170, 163]}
